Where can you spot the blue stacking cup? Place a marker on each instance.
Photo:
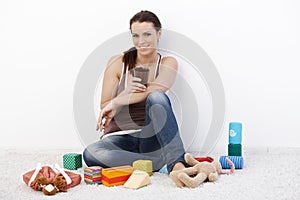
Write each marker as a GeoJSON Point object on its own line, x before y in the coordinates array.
{"type": "Point", "coordinates": [237, 160]}
{"type": "Point", "coordinates": [235, 133]}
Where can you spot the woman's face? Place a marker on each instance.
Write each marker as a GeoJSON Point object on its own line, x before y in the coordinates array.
{"type": "Point", "coordinates": [144, 37]}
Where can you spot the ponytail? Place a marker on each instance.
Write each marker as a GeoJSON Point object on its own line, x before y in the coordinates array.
{"type": "Point", "coordinates": [129, 58]}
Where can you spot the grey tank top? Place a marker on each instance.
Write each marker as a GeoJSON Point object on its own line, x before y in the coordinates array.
{"type": "Point", "coordinates": [130, 117]}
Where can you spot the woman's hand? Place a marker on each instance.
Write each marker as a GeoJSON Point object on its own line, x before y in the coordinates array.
{"type": "Point", "coordinates": [106, 115]}
{"type": "Point", "coordinates": [134, 85]}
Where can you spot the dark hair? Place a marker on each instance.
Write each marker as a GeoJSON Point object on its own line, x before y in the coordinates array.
{"type": "Point", "coordinates": [130, 55]}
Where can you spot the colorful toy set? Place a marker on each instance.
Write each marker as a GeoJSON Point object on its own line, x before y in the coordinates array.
{"type": "Point", "coordinates": [93, 175]}
{"type": "Point", "coordinates": [134, 176]}
{"type": "Point", "coordinates": [131, 177]}
{"type": "Point", "coordinates": [138, 175]}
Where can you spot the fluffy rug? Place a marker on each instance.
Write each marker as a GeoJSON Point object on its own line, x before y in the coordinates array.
{"type": "Point", "coordinates": [268, 174]}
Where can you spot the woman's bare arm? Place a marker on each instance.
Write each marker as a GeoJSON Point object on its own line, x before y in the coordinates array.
{"type": "Point", "coordinates": [165, 79]}
{"type": "Point", "coordinates": [111, 79]}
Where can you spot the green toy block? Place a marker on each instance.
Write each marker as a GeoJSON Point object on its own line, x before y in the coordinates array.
{"type": "Point", "coordinates": [72, 161]}
{"type": "Point", "coordinates": [234, 150]}
{"type": "Point", "coordinates": [143, 165]}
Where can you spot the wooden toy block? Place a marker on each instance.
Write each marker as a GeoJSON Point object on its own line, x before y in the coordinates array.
{"type": "Point", "coordinates": [116, 175]}
{"type": "Point", "coordinates": [137, 180]}
{"type": "Point", "coordinates": [93, 175]}
{"type": "Point", "coordinates": [143, 165]}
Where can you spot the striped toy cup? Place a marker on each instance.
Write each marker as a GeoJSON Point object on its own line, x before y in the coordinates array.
{"type": "Point", "coordinates": [237, 160]}
{"type": "Point", "coordinates": [235, 133]}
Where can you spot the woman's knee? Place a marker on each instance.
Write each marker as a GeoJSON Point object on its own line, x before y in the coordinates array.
{"type": "Point", "coordinates": [88, 156]}
{"type": "Point", "coordinates": [158, 97]}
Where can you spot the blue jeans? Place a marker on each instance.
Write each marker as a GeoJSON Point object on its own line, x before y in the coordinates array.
{"type": "Point", "coordinates": [158, 141]}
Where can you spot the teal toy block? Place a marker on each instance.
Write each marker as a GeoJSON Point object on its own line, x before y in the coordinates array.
{"type": "Point", "coordinates": [234, 150]}
{"type": "Point", "coordinates": [72, 161]}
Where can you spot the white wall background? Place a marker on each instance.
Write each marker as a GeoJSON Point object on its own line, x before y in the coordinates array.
{"type": "Point", "coordinates": [254, 45]}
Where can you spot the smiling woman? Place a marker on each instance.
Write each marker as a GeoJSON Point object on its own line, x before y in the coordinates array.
{"type": "Point", "coordinates": [144, 36]}
{"type": "Point", "coordinates": [146, 31]}
{"type": "Point", "coordinates": [137, 119]}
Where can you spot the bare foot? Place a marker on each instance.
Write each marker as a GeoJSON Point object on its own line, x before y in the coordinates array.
{"type": "Point", "coordinates": [178, 166]}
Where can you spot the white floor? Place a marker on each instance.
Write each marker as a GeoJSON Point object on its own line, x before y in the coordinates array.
{"type": "Point", "coordinates": [268, 174]}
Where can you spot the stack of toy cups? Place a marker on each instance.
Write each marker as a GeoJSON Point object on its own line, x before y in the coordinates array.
{"type": "Point", "coordinates": [234, 147]}
{"type": "Point", "coordinates": [235, 139]}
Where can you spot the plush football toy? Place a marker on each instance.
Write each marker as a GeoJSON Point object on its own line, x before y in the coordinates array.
{"type": "Point", "coordinates": [48, 188]}
{"type": "Point", "coordinates": [51, 179]}
{"type": "Point", "coordinates": [198, 172]}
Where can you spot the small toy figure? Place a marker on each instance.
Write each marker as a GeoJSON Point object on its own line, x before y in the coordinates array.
{"type": "Point", "coordinates": [198, 172]}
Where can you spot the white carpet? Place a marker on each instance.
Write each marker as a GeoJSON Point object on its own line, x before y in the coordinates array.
{"type": "Point", "coordinates": [268, 174]}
